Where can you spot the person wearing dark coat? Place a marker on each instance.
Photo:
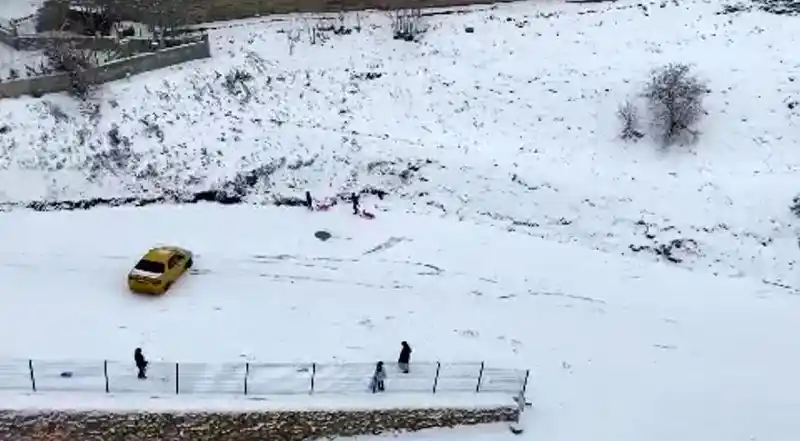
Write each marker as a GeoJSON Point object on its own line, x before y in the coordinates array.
{"type": "Point", "coordinates": [378, 378]}
{"type": "Point", "coordinates": [309, 201]}
{"type": "Point", "coordinates": [355, 200]}
{"type": "Point", "coordinates": [405, 357]}
{"type": "Point", "coordinates": [141, 363]}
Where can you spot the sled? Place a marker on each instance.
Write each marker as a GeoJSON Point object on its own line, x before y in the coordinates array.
{"type": "Point", "coordinates": [367, 215]}
{"type": "Point", "coordinates": [325, 206]}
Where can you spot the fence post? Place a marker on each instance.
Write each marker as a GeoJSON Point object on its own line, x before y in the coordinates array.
{"type": "Point", "coordinates": [246, 374]}
{"type": "Point", "coordinates": [436, 378]}
{"type": "Point", "coordinates": [313, 376]}
{"type": "Point", "coordinates": [105, 373]}
{"type": "Point", "coordinates": [480, 378]}
{"type": "Point", "coordinates": [33, 377]}
{"type": "Point", "coordinates": [525, 382]}
{"type": "Point", "coordinates": [177, 378]}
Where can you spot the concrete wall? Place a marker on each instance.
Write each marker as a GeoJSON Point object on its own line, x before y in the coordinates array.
{"type": "Point", "coordinates": [151, 61]}
{"type": "Point", "coordinates": [128, 45]}
{"type": "Point", "coordinates": [232, 426]}
{"type": "Point", "coordinates": [116, 70]}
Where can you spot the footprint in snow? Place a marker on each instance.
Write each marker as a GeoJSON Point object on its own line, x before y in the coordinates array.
{"type": "Point", "coordinates": [469, 333]}
{"type": "Point", "coordinates": [367, 323]}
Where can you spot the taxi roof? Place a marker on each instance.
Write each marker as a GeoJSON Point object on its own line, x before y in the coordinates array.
{"type": "Point", "coordinates": [159, 254]}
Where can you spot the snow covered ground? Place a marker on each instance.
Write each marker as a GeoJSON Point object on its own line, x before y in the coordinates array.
{"type": "Point", "coordinates": [622, 349]}
{"type": "Point", "coordinates": [510, 128]}
{"type": "Point", "coordinates": [512, 125]}
{"type": "Point", "coordinates": [14, 9]}
{"type": "Point", "coordinates": [127, 403]}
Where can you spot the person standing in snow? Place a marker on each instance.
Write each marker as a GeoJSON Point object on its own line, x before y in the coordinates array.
{"type": "Point", "coordinates": [141, 363]}
{"type": "Point", "coordinates": [355, 200]}
{"type": "Point", "coordinates": [405, 357]}
{"type": "Point", "coordinates": [378, 378]}
{"type": "Point", "coordinates": [309, 201]}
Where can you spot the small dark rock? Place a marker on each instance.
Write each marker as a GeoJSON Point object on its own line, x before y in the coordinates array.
{"type": "Point", "coordinates": [469, 30]}
{"type": "Point", "coordinates": [322, 235]}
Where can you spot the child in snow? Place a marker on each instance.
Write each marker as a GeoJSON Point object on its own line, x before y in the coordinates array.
{"type": "Point", "coordinates": [141, 363]}
{"type": "Point", "coordinates": [378, 378]}
{"type": "Point", "coordinates": [405, 357]}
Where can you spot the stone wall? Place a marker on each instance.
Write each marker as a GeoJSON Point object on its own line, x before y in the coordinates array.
{"type": "Point", "coordinates": [200, 11]}
{"type": "Point", "coordinates": [233, 426]}
{"type": "Point", "coordinates": [115, 70]}
{"type": "Point", "coordinates": [7, 38]}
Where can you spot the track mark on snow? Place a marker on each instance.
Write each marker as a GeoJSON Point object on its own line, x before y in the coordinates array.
{"type": "Point", "coordinates": [292, 279]}
{"type": "Point", "coordinates": [569, 296]}
{"type": "Point", "coordinates": [389, 243]}
{"type": "Point", "coordinates": [790, 289]}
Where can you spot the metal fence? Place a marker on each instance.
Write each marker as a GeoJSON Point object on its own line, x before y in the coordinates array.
{"type": "Point", "coordinates": [256, 379]}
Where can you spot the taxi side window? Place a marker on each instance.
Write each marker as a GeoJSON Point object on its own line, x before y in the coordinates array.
{"type": "Point", "coordinates": [173, 261]}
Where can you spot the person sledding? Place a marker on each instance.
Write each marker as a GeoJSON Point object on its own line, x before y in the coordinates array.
{"type": "Point", "coordinates": [309, 201]}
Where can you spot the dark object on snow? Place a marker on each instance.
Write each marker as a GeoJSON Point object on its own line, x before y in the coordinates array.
{"type": "Point", "coordinates": [378, 378]}
{"type": "Point", "coordinates": [354, 198]}
{"type": "Point", "coordinates": [309, 201]}
{"type": "Point", "coordinates": [405, 357]}
{"type": "Point", "coordinates": [289, 202]}
{"type": "Point", "coordinates": [141, 363]}
{"type": "Point", "coordinates": [66, 374]}
{"type": "Point", "coordinates": [469, 30]}
{"type": "Point", "coordinates": [322, 235]}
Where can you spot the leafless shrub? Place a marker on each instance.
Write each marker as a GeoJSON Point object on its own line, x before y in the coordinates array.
{"type": "Point", "coordinates": [293, 37]}
{"type": "Point", "coordinates": [78, 63]}
{"type": "Point", "coordinates": [235, 83]}
{"type": "Point", "coordinates": [628, 115]}
{"type": "Point", "coordinates": [115, 139]}
{"type": "Point", "coordinates": [317, 34]}
{"type": "Point", "coordinates": [407, 24]}
{"type": "Point", "coordinates": [152, 128]}
{"type": "Point", "coordinates": [56, 111]}
{"type": "Point", "coordinates": [675, 96]}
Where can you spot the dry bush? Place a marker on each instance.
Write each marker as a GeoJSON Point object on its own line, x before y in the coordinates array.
{"type": "Point", "coordinates": [628, 115]}
{"type": "Point", "coordinates": [407, 24]}
{"type": "Point", "coordinates": [675, 96]}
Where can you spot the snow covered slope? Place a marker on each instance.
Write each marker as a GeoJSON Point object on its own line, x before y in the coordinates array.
{"type": "Point", "coordinates": [620, 349]}
{"type": "Point", "coordinates": [513, 124]}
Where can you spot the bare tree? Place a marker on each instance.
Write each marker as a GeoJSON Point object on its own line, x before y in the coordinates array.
{"type": "Point", "coordinates": [164, 17]}
{"type": "Point", "coordinates": [407, 24]}
{"type": "Point", "coordinates": [79, 64]}
{"type": "Point", "coordinates": [629, 117]}
{"type": "Point", "coordinates": [675, 96]}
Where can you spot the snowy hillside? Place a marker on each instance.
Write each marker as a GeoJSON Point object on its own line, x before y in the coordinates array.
{"type": "Point", "coordinates": [513, 124]}
{"type": "Point", "coordinates": [617, 346]}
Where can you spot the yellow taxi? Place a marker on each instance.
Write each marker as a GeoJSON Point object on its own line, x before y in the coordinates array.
{"type": "Point", "coordinates": [159, 269]}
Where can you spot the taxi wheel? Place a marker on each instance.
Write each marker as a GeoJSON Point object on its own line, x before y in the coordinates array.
{"type": "Point", "coordinates": [189, 263]}
{"type": "Point", "coordinates": [167, 286]}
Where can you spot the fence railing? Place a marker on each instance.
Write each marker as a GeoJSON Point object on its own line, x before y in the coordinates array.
{"type": "Point", "coordinates": [256, 379]}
